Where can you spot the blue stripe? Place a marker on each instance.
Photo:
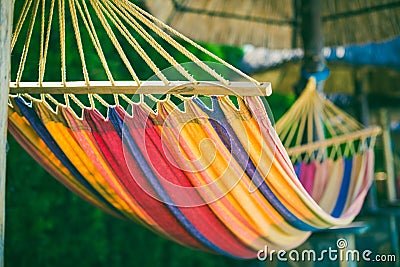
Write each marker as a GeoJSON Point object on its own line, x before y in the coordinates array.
{"type": "Point", "coordinates": [44, 134]}
{"type": "Point", "coordinates": [297, 169]}
{"type": "Point", "coordinates": [250, 169]}
{"type": "Point", "coordinates": [134, 150]}
{"type": "Point", "coordinates": [344, 188]}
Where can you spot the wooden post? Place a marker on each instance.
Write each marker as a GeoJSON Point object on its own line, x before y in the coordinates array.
{"type": "Point", "coordinates": [313, 44]}
{"type": "Point", "coordinates": [313, 40]}
{"type": "Point", "coordinates": [363, 116]}
{"type": "Point", "coordinates": [5, 54]}
{"type": "Point", "coordinates": [312, 34]}
{"type": "Point", "coordinates": [388, 152]}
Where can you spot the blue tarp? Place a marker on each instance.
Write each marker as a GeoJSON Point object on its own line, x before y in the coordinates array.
{"type": "Point", "coordinates": [376, 54]}
{"type": "Point", "coordinates": [385, 54]}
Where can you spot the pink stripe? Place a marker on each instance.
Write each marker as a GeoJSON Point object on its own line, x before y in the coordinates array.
{"type": "Point", "coordinates": [307, 176]}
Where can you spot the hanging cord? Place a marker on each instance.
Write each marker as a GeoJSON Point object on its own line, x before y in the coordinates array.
{"type": "Point", "coordinates": [349, 148]}
{"type": "Point", "coordinates": [61, 14]}
{"type": "Point", "coordinates": [286, 123]}
{"type": "Point", "coordinates": [28, 96]}
{"type": "Point", "coordinates": [114, 40]}
{"type": "Point", "coordinates": [76, 101]}
{"type": "Point", "coordinates": [372, 141]}
{"type": "Point", "coordinates": [78, 40]}
{"type": "Point", "coordinates": [116, 100]}
{"type": "Point", "coordinates": [112, 14]}
{"type": "Point", "coordinates": [157, 100]}
{"type": "Point", "coordinates": [147, 37]}
{"type": "Point", "coordinates": [133, 42]}
{"type": "Point", "coordinates": [21, 20]}
{"type": "Point", "coordinates": [42, 64]}
{"type": "Point", "coordinates": [95, 40]}
{"type": "Point", "coordinates": [27, 43]}
{"type": "Point", "coordinates": [336, 152]}
{"type": "Point", "coordinates": [138, 13]}
{"type": "Point", "coordinates": [53, 100]}
{"type": "Point", "coordinates": [66, 100]}
{"type": "Point", "coordinates": [325, 125]}
{"type": "Point", "coordinates": [286, 127]}
{"type": "Point", "coordinates": [351, 122]}
{"type": "Point", "coordinates": [340, 122]}
{"type": "Point", "coordinates": [127, 100]}
{"type": "Point", "coordinates": [41, 59]}
{"type": "Point", "coordinates": [101, 100]}
{"type": "Point", "coordinates": [186, 39]}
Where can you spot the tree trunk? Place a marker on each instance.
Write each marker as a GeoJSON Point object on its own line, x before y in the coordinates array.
{"type": "Point", "coordinates": [5, 54]}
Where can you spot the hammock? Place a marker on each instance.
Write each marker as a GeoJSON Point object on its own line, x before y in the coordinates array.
{"type": "Point", "coordinates": [208, 172]}
{"type": "Point", "coordinates": [330, 150]}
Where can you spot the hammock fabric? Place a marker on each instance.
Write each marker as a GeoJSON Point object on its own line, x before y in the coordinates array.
{"type": "Point", "coordinates": [246, 193]}
{"type": "Point", "coordinates": [330, 150]}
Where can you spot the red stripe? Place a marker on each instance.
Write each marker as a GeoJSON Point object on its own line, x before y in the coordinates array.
{"type": "Point", "coordinates": [201, 217]}
{"type": "Point", "coordinates": [110, 144]}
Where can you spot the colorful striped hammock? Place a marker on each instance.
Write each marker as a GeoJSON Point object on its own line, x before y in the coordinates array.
{"type": "Point", "coordinates": [330, 150]}
{"type": "Point", "coordinates": [234, 189]}
{"type": "Point", "coordinates": [207, 172]}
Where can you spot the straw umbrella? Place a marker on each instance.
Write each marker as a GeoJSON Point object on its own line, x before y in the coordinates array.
{"type": "Point", "coordinates": [283, 24]}
{"type": "Point", "coordinates": [277, 24]}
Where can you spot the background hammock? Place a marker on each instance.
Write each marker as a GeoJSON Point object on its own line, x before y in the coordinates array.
{"type": "Point", "coordinates": [247, 186]}
{"type": "Point", "coordinates": [332, 153]}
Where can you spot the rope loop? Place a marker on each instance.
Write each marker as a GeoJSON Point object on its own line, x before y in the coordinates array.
{"type": "Point", "coordinates": [319, 76]}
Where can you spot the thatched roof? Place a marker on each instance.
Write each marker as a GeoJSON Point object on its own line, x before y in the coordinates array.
{"type": "Point", "coordinates": [380, 83]}
{"type": "Point", "coordinates": [275, 23]}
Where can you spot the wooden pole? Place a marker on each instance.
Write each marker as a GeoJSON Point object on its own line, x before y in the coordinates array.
{"type": "Point", "coordinates": [313, 44]}
{"type": "Point", "coordinates": [147, 87]}
{"type": "Point", "coordinates": [313, 40]}
{"type": "Point", "coordinates": [312, 34]}
{"type": "Point", "coordinates": [388, 152]}
{"type": "Point", "coordinates": [5, 54]}
{"type": "Point", "coordinates": [362, 114]}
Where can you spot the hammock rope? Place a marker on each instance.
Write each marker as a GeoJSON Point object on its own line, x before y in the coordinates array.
{"type": "Point", "coordinates": [335, 151]}
{"type": "Point", "coordinates": [209, 171]}
{"type": "Point", "coordinates": [112, 17]}
{"type": "Point", "coordinates": [316, 120]}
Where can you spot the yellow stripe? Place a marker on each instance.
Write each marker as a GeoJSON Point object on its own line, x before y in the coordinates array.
{"type": "Point", "coordinates": [77, 156]}
{"type": "Point", "coordinates": [251, 206]}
